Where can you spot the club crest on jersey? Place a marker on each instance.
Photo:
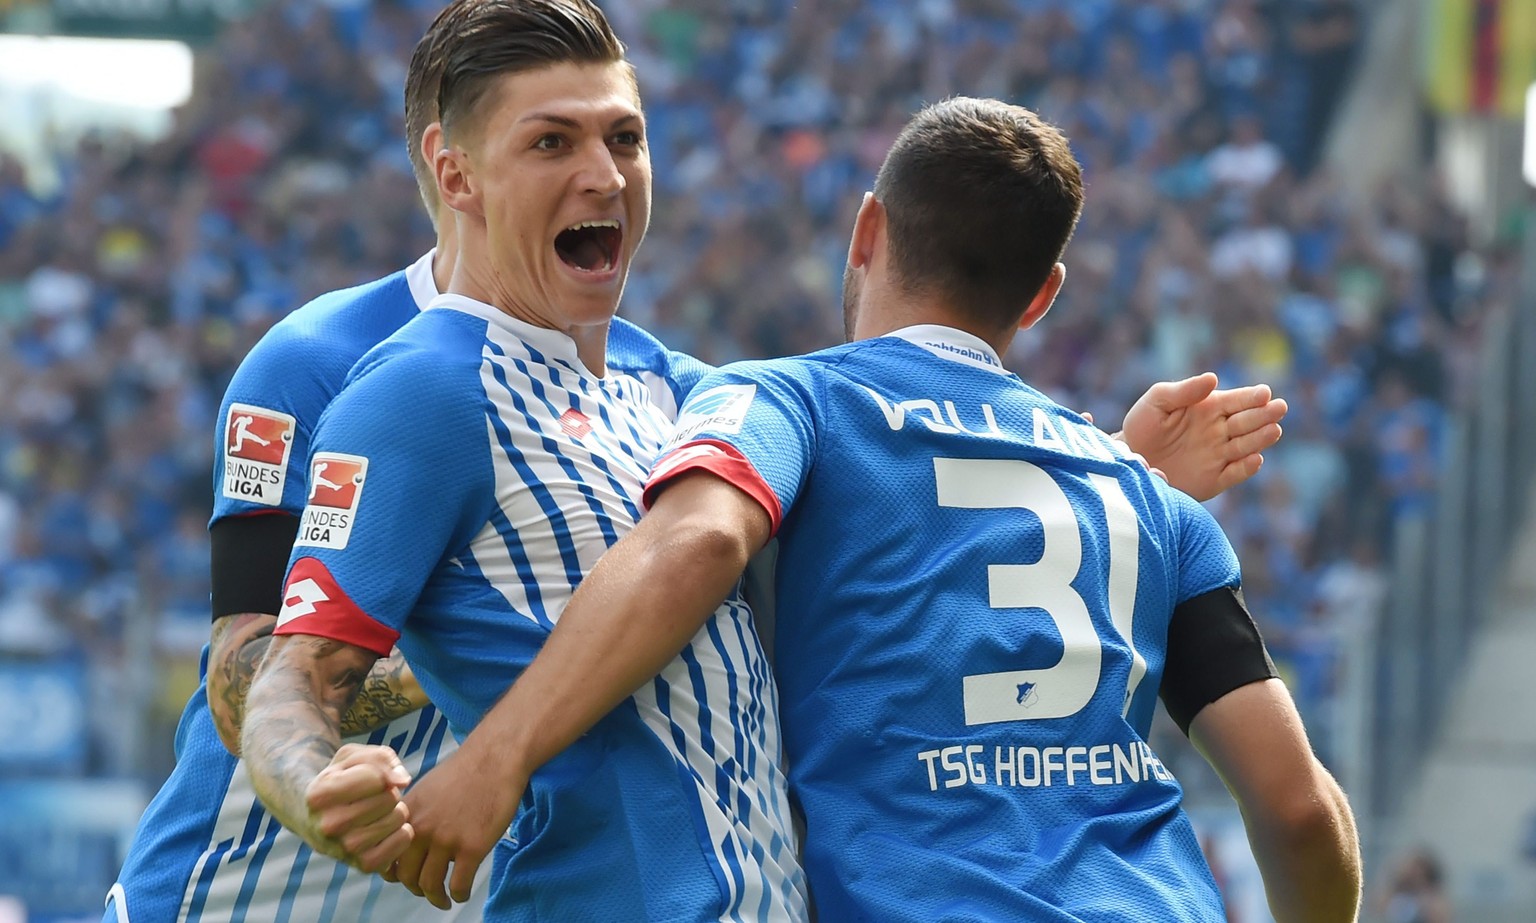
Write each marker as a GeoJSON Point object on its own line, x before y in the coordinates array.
{"type": "Point", "coordinates": [335, 490]}
{"type": "Point", "coordinates": [256, 446]}
{"type": "Point", "coordinates": [719, 410]}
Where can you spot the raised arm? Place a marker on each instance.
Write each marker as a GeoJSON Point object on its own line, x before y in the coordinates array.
{"type": "Point", "coordinates": [640, 605]}
{"type": "Point", "coordinates": [344, 801]}
{"type": "Point", "coordinates": [1299, 823]}
{"type": "Point", "coordinates": [249, 555]}
{"type": "Point", "coordinates": [1204, 440]}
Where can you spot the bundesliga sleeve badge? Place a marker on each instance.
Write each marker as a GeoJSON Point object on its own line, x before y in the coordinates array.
{"type": "Point", "coordinates": [335, 489]}
{"type": "Point", "coordinates": [256, 446]}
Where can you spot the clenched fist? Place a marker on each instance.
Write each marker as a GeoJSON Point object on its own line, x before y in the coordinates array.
{"type": "Point", "coordinates": [356, 812]}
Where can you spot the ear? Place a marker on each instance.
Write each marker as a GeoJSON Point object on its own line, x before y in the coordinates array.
{"type": "Point", "coordinates": [431, 142]}
{"type": "Point", "coordinates": [868, 233]}
{"type": "Point", "coordinates": [1043, 299]}
{"type": "Point", "coordinates": [456, 181]}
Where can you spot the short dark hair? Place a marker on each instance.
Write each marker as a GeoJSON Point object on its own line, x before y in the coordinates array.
{"type": "Point", "coordinates": [422, 79]}
{"type": "Point", "coordinates": [981, 198]}
{"type": "Point", "coordinates": [497, 37]}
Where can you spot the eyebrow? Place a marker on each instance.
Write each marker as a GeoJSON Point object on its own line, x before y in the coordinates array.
{"type": "Point", "coordinates": [567, 122]}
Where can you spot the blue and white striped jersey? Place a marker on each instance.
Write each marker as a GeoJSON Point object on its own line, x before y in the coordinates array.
{"type": "Point", "coordinates": [973, 593]}
{"type": "Point", "coordinates": [206, 851]}
{"type": "Point", "coordinates": [465, 480]}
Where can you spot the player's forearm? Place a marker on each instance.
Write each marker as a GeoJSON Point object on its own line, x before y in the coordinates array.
{"type": "Point", "coordinates": [1310, 859]}
{"type": "Point", "coordinates": [238, 644]}
{"type": "Point", "coordinates": [389, 690]}
{"type": "Point", "coordinates": [642, 603]}
{"type": "Point", "coordinates": [293, 721]}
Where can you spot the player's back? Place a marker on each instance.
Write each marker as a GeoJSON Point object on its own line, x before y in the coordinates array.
{"type": "Point", "coordinates": [206, 850]}
{"type": "Point", "coordinates": [960, 580]}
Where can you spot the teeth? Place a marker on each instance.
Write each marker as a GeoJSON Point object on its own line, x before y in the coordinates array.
{"type": "Point", "coordinates": [605, 223]}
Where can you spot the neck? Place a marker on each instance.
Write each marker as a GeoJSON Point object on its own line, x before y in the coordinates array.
{"type": "Point", "coordinates": [474, 276]}
{"type": "Point", "coordinates": [880, 316]}
{"type": "Point", "coordinates": [447, 250]}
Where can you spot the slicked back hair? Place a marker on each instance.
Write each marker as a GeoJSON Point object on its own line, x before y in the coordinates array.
{"type": "Point", "coordinates": [498, 37]}
{"type": "Point", "coordinates": [422, 79]}
{"type": "Point", "coordinates": [981, 197]}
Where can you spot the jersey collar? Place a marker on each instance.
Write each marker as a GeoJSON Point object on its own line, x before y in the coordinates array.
{"type": "Point", "coordinates": [423, 284]}
{"type": "Point", "coordinates": [955, 345]}
{"type": "Point", "coordinates": [552, 343]}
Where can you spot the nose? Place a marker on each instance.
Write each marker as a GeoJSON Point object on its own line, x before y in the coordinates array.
{"type": "Point", "coordinates": [600, 173]}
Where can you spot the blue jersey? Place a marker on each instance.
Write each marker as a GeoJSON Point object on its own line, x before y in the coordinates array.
{"type": "Point", "coordinates": [206, 851]}
{"type": "Point", "coordinates": [973, 591]}
{"type": "Point", "coordinates": [464, 481]}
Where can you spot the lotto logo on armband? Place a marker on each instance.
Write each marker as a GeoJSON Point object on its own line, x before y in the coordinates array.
{"type": "Point", "coordinates": [256, 446]}
{"type": "Point", "coordinates": [335, 489]}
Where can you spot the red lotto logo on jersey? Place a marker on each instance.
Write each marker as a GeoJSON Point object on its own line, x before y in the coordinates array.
{"type": "Point", "coordinates": [575, 423]}
{"type": "Point", "coordinates": [256, 446]}
{"type": "Point", "coordinates": [335, 490]}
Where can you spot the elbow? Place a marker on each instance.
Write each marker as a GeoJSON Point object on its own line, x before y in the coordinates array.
{"type": "Point", "coordinates": [1314, 817]}
{"type": "Point", "coordinates": [710, 544]}
{"type": "Point", "coordinates": [227, 729]}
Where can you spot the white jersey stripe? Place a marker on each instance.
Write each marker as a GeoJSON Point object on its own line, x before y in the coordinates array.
{"type": "Point", "coordinates": [599, 435]}
{"type": "Point", "coordinates": [328, 909]}
{"type": "Point", "coordinates": [539, 391]}
{"type": "Point", "coordinates": [555, 515]}
{"type": "Point", "coordinates": [295, 880]}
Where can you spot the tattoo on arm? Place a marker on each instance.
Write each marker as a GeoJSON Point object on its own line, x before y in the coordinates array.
{"type": "Point", "coordinates": [239, 644]}
{"type": "Point", "coordinates": [293, 725]}
{"type": "Point", "coordinates": [385, 696]}
{"type": "Point", "coordinates": [236, 649]}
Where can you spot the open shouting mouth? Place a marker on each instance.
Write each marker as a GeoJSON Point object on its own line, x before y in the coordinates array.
{"type": "Point", "coordinates": [590, 246]}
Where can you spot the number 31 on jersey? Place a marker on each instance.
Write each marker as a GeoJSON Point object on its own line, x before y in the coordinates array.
{"type": "Point", "coordinates": [1065, 688]}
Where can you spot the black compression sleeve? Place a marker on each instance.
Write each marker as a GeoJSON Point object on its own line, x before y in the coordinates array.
{"type": "Point", "coordinates": [250, 556]}
{"type": "Point", "coordinates": [1213, 648]}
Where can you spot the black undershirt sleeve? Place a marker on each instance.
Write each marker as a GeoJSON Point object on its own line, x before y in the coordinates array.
{"type": "Point", "coordinates": [249, 559]}
{"type": "Point", "coordinates": [1213, 648]}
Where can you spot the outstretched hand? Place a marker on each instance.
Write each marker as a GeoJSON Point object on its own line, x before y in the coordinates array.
{"type": "Point", "coordinates": [355, 810]}
{"type": "Point", "coordinates": [1204, 440]}
{"type": "Point", "coordinates": [458, 812]}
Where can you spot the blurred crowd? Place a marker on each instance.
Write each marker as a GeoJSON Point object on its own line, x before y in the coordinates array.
{"type": "Point", "coordinates": [1213, 238]}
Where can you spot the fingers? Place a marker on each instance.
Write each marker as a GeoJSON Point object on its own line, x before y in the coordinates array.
{"type": "Point", "coordinates": [433, 871]}
{"type": "Point", "coordinates": [363, 835]}
{"type": "Point", "coordinates": [1246, 421]}
{"type": "Point", "coordinates": [354, 777]}
{"type": "Point", "coordinates": [339, 820]}
{"type": "Point", "coordinates": [407, 867]}
{"type": "Point", "coordinates": [381, 857]}
{"type": "Point", "coordinates": [1238, 471]}
{"type": "Point", "coordinates": [1239, 447]}
{"type": "Point", "coordinates": [1176, 395]}
{"type": "Point", "coordinates": [463, 878]}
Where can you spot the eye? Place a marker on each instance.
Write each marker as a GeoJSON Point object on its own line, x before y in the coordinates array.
{"type": "Point", "coordinates": [549, 142]}
{"type": "Point", "coordinates": [628, 139]}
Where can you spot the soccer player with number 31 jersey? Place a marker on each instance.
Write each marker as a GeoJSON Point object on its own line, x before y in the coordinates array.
{"type": "Point", "coordinates": [979, 599]}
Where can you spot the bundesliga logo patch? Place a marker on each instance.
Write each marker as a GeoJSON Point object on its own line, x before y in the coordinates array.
{"type": "Point", "coordinates": [256, 446]}
{"type": "Point", "coordinates": [335, 489]}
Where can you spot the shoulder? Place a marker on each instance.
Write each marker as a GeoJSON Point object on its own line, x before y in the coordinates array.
{"type": "Point", "coordinates": [335, 328]}
{"type": "Point", "coordinates": [433, 362]}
